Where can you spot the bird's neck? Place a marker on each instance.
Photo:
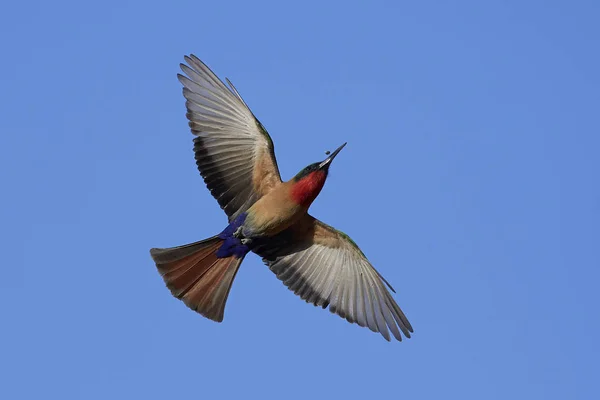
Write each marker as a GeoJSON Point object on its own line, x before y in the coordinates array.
{"type": "Point", "coordinates": [306, 190]}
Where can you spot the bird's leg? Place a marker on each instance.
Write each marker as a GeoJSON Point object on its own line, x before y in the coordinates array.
{"type": "Point", "coordinates": [238, 233]}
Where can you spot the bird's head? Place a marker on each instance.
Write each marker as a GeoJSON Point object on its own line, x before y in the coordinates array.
{"type": "Point", "coordinates": [307, 184]}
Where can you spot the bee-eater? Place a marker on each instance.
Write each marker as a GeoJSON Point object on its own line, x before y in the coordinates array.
{"type": "Point", "coordinates": [235, 156]}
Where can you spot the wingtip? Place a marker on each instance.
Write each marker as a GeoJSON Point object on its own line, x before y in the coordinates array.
{"type": "Point", "coordinates": [153, 252]}
{"type": "Point", "coordinates": [192, 59]}
{"type": "Point", "coordinates": [183, 67]}
{"type": "Point", "coordinates": [189, 58]}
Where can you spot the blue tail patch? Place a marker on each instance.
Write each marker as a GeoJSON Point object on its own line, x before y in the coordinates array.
{"type": "Point", "coordinates": [232, 246]}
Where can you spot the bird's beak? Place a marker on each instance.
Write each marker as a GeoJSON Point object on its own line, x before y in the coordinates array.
{"type": "Point", "coordinates": [328, 160]}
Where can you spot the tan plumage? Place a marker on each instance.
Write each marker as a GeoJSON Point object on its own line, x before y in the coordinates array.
{"type": "Point", "coordinates": [236, 158]}
{"type": "Point", "coordinates": [276, 211]}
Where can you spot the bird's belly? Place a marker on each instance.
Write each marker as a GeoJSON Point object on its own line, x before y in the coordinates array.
{"type": "Point", "coordinates": [268, 218]}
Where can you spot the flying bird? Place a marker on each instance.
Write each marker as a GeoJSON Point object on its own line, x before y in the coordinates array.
{"type": "Point", "coordinates": [267, 216]}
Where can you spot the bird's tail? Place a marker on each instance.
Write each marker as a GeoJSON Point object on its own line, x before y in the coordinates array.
{"type": "Point", "coordinates": [195, 275]}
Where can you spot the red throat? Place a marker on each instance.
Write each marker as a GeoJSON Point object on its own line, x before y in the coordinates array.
{"type": "Point", "coordinates": [306, 190]}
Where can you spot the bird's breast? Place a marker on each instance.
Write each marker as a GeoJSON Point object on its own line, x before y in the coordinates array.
{"type": "Point", "coordinates": [274, 212]}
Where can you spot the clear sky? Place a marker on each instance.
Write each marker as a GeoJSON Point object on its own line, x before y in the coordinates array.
{"type": "Point", "coordinates": [470, 180]}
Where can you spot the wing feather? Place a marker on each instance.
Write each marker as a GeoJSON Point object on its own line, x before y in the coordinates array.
{"type": "Point", "coordinates": [361, 317]}
{"type": "Point", "coordinates": [326, 268]}
{"type": "Point", "coordinates": [318, 286]}
{"type": "Point", "coordinates": [233, 151]}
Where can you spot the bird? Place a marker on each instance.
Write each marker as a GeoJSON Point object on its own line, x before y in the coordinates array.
{"type": "Point", "coordinates": [267, 216]}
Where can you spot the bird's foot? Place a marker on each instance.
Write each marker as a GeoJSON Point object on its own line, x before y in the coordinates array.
{"type": "Point", "coordinates": [246, 242]}
{"type": "Point", "coordinates": [238, 233]}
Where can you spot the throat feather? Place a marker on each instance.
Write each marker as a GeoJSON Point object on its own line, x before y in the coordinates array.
{"type": "Point", "coordinates": [306, 190]}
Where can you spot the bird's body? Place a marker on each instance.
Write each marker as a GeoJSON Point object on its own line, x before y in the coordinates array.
{"type": "Point", "coordinates": [267, 216]}
{"type": "Point", "coordinates": [284, 205]}
{"type": "Point", "coordinates": [276, 211]}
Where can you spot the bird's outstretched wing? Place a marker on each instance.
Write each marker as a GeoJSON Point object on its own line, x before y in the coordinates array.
{"type": "Point", "coordinates": [325, 267]}
{"type": "Point", "coordinates": [233, 151]}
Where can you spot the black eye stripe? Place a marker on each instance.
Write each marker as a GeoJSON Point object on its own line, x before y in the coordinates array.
{"type": "Point", "coordinates": [307, 170]}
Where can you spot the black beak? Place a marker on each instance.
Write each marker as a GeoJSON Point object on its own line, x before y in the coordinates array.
{"type": "Point", "coordinates": [327, 162]}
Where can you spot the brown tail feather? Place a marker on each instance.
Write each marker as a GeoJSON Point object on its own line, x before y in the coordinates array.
{"type": "Point", "coordinates": [196, 276]}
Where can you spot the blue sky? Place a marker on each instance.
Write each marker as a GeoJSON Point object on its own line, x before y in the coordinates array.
{"type": "Point", "coordinates": [470, 180]}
